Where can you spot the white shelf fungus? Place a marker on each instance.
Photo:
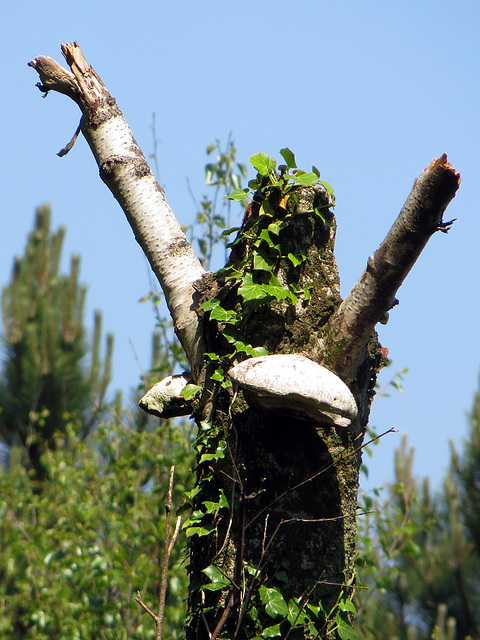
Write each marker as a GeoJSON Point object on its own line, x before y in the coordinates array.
{"type": "Point", "coordinates": [295, 383]}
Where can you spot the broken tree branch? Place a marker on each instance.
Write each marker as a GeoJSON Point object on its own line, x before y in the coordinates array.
{"type": "Point", "coordinates": [373, 295]}
{"type": "Point", "coordinates": [125, 171]}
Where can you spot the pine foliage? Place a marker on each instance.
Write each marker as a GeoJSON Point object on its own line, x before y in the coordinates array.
{"type": "Point", "coordinates": [45, 378]}
{"type": "Point", "coordinates": [422, 553]}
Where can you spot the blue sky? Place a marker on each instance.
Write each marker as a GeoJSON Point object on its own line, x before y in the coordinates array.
{"type": "Point", "coordinates": [369, 92]}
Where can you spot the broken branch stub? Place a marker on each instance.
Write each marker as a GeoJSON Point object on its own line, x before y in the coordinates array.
{"type": "Point", "coordinates": [297, 384]}
{"type": "Point", "coordinates": [373, 295]}
{"type": "Point", "coordinates": [165, 398]}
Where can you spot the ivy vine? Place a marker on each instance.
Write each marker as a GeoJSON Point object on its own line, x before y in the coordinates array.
{"type": "Point", "coordinates": [264, 611]}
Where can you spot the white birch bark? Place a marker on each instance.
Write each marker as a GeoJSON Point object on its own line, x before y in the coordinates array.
{"type": "Point", "coordinates": [125, 171]}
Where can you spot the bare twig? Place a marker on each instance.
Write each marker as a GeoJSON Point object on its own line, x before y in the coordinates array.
{"type": "Point", "coordinates": [319, 473]}
{"type": "Point", "coordinates": [167, 549]}
{"type": "Point", "coordinates": [169, 542]}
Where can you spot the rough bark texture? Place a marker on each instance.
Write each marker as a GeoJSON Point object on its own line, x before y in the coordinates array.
{"type": "Point", "coordinates": [291, 485]}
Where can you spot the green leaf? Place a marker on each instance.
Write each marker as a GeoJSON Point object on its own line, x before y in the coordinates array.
{"type": "Point", "coordinates": [261, 262]}
{"type": "Point", "coordinates": [190, 391]}
{"type": "Point", "coordinates": [294, 259]}
{"type": "Point", "coordinates": [275, 227]}
{"type": "Point", "coordinates": [217, 580]}
{"type": "Point", "coordinates": [249, 290]}
{"type": "Point", "coordinates": [212, 356]}
{"type": "Point", "coordinates": [295, 614]}
{"type": "Point", "coordinates": [271, 632]}
{"type": "Point", "coordinates": [257, 351]}
{"type": "Point", "coordinates": [208, 305]}
{"type": "Point", "coordinates": [305, 179]}
{"type": "Point", "coordinates": [265, 235]}
{"type": "Point", "coordinates": [262, 163]}
{"type": "Point", "coordinates": [218, 455]}
{"type": "Point", "coordinates": [200, 531]}
{"type": "Point", "coordinates": [347, 605]}
{"type": "Point", "coordinates": [274, 602]}
{"type": "Point", "coordinates": [211, 507]}
{"type": "Point", "coordinates": [345, 631]}
{"type": "Point", "coordinates": [327, 186]}
{"type": "Point", "coordinates": [289, 157]}
{"type": "Point", "coordinates": [220, 314]}
{"type": "Point", "coordinates": [218, 375]}
{"type": "Point", "coordinates": [203, 246]}
{"type": "Point", "coordinates": [238, 195]}
{"type": "Point", "coordinates": [318, 212]}
{"type": "Point", "coordinates": [280, 293]}
{"type": "Point", "coordinates": [227, 232]}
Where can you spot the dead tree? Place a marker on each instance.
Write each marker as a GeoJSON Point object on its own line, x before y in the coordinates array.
{"type": "Point", "coordinates": [282, 376]}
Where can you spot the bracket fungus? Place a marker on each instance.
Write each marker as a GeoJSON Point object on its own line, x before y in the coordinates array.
{"type": "Point", "coordinates": [165, 397]}
{"type": "Point", "coordinates": [297, 384]}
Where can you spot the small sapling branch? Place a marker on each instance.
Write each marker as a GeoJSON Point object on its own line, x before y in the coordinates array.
{"type": "Point", "coordinates": [169, 542]}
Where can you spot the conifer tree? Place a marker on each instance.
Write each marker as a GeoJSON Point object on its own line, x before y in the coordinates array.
{"type": "Point", "coordinates": [45, 381]}
{"type": "Point", "coordinates": [422, 552]}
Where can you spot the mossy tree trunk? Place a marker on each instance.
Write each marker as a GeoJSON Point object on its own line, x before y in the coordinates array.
{"type": "Point", "coordinates": [272, 528]}
{"type": "Point", "coordinates": [291, 483]}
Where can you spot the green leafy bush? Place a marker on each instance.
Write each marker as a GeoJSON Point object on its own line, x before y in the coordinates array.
{"type": "Point", "coordinates": [75, 553]}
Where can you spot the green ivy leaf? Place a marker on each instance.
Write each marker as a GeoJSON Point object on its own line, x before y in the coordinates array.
{"type": "Point", "coordinates": [261, 262]}
{"type": "Point", "coordinates": [218, 455]}
{"type": "Point", "coordinates": [190, 391]}
{"type": "Point", "coordinates": [262, 163]}
{"type": "Point", "coordinates": [265, 235]}
{"type": "Point", "coordinates": [289, 158]}
{"type": "Point", "coordinates": [345, 631]}
{"type": "Point", "coordinates": [347, 605]}
{"type": "Point", "coordinates": [208, 305]}
{"type": "Point", "coordinates": [275, 227]}
{"type": "Point", "coordinates": [271, 632]}
{"type": "Point", "coordinates": [227, 232]}
{"type": "Point", "coordinates": [294, 260]}
{"type": "Point", "coordinates": [305, 179]}
{"type": "Point", "coordinates": [278, 291]}
{"type": "Point", "coordinates": [220, 314]}
{"type": "Point", "coordinates": [257, 351]}
{"type": "Point", "coordinates": [200, 531]}
{"type": "Point", "coordinates": [274, 602]}
{"type": "Point", "coordinates": [249, 290]}
{"type": "Point", "coordinates": [327, 186]}
{"type": "Point", "coordinates": [237, 195]}
{"type": "Point", "coordinates": [217, 580]}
